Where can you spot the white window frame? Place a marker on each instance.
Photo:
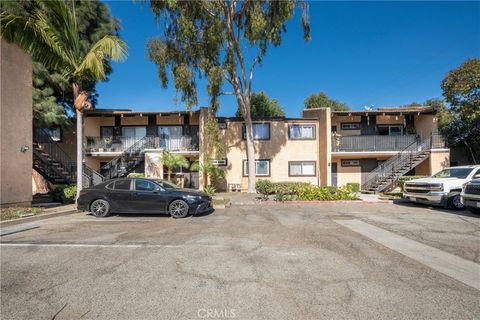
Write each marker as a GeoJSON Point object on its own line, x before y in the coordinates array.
{"type": "Point", "coordinates": [302, 163]}
{"type": "Point", "coordinates": [244, 130]}
{"type": "Point", "coordinates": [350, 162]}
{"type": "Point", "coordinates": [219, 162]}
{"type": "Point", "coordinates": [245, 168]}
{"type": "Point", "coordinates": [301, 125]}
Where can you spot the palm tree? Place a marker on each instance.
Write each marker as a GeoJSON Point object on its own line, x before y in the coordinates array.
{"type": "Point", "coordinates": [171, 160]}
{"type": "Point", "coordinates": [210, 172]}
{"type": "Point", "coordinates": [51, 36]}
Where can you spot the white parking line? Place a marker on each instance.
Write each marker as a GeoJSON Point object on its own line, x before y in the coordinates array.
{"type": "Point", "coordinates": [453, 266]}
{"type": "Point", "coordinates": [95, 245]}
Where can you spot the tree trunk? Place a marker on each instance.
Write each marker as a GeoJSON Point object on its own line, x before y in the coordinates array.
{"type": "Point", "coordinates": [250, 152]}
{"type": "Point", "coordinates": [79, 152]}
{"type": "Point", "coordinates": [169, 174]}
{"type": "Point", "coordinates": [471, 151]}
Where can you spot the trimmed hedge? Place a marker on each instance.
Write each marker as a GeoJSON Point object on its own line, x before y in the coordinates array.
{"type": "Point", "coordinates": [286, 191]}
{"type": "Point", "coordinates": [355, 186]}
{"type": "Point", "coordinates": [63, 193]}
{"type": "Point", "coordinates": [310, 193]}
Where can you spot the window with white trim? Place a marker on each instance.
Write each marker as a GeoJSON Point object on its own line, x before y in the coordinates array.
{"type": "Point", "coordinates": [262, 168]}
{"type": "Point", "coordinates": [261, 131]}
{"type": "Point", "coordinates": [219, 162]}
{"type": "Point", "coordinates": [301, 168]}
{"type": "Point", "coordinates": [301, 131]}
{"type": "Point", "coordinates": [351, 163]}
{"type": "Point", "coordinates": [350, 126]}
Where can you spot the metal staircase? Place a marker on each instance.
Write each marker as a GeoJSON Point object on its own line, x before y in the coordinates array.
{"type": "Point", "coordinates": [54, 164]}
{"type": "Point", "coordinates": [129, 159]}
{"type": "Point", "coordinates": [384, 176]}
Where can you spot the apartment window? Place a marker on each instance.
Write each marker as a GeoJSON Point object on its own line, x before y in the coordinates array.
{"type": "Point", "coordinates": [301, 168]}
{"type": "Point", "coordinates": [301, 131]}
{"type": "Point", "coordinates": [262, 168]}
{"type": "Point", "coordinates": [170, 137]}
{"type": "Point", "coordinates": [351, 126]}
{"type": "Point", "coordinates": [219, 162]}
{"type": "Point", "coordinates": [351, 163]}
{"type": "Point", "coordinates": [390, 130]}
{"type": "Point", "coordinates": [261, 131]}
{"type": "Point", "coordinates": [106, 132]}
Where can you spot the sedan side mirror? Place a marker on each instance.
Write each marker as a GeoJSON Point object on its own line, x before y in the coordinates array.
{"type": "Point", "coordinates": [157, 190]}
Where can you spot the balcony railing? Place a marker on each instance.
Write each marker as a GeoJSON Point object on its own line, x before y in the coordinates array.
{"type": "Point", "coordinates": [371, 143]}
{"type": "Point", "coordinates": [120, 144]}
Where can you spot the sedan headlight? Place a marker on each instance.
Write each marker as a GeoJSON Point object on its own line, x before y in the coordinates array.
{"type": "Point", "coordinates": [192, 199]}
{"type": "Point", "coordinates": [436, 187]}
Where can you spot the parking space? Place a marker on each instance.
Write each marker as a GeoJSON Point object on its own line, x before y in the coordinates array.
{"type": "Point", "coordinates": [246, 262]}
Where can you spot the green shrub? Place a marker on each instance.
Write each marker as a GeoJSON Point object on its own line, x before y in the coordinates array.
{"type": "Point", "coordinates": [210, 190]}
{"type": "Point", "coordinates": [288, 188]}
{"type": "Point", "coordinates": [136, 175]}
{"type": "Point", "coordinates": [264, 187]}
{"type": "Point", "coordinates": [63, 193]}
{"type": "Point", "coordinates": [310, 193]}
{"type": "Point", "coordinates": [401, 180]}
{"type": "Point", "coordinates": [355, 186]}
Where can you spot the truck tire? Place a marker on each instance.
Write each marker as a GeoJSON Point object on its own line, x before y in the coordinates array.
{"type": "Point", "coordinates": [454, 203]}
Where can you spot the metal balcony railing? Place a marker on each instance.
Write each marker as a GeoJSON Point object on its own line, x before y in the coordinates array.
{"type": "Point", "coordinates": [371, 143]}
{"type": "Point", "coordinates": [120, 144]}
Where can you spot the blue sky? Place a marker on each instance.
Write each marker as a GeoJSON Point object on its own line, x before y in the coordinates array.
{"type": "Point", "coordinates": [361, 53]}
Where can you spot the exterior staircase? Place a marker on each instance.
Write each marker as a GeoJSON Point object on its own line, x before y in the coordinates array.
{"type": "Point", "coordinates": [55, 165]}
{"type": "Point", "coordinates": [385, 175]}
{"type": "Point", "coordinates": [129, 159]}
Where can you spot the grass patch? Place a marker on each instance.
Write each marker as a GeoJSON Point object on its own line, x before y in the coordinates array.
{"type": "Point", "coordinates": [18, 212]}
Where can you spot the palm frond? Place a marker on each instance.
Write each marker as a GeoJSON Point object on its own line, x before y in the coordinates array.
{"type": "Point", "coordinates": [63, 20]}
{"type": "Point", "coordinates": [109, 47]}
{"type": "Point", "coordinates": [34, 35]}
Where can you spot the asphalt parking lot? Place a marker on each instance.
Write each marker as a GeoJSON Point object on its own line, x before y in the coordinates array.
{"type": "Point", "coordinates": [329, 261]}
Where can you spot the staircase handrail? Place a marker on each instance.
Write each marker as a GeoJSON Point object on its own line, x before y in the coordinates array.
{"type": "Point", "coordinates": [61, 156]}
{"type": "Point", "coordinates": [137, 147]}
{"type": "Point", "coordinates": [393, 163]}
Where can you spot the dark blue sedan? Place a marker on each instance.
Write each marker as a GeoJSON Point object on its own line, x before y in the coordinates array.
{"type": "Point", "coordinates": [142, 195]}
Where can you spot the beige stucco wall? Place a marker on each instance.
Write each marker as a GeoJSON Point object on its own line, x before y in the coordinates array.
{"type": "Point", "coordinates": [439, 159]}
{"type": "Point", "coordinates": [352, 174]}
{"type": "Point", "coordinates": [279, 149]}
{"type": "Point", "coordinates": [338, 120]}
{"type": "Point", "coordinates": [92, 125]}
{"type": "Point", "coordinates": [425, 124]}
{"type": "Point", "coordinates": [15, 125]}
{"type": "Point", "coordinates": [324, 141]}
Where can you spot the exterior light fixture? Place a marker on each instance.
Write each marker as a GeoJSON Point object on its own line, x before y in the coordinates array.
{"type": "Point", "coordinates": [24, 148]}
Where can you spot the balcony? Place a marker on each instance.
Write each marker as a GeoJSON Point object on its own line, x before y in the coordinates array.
{"type": "Point", "coordinates": [375, 143]}
{"type": "Point", "coordinates": [115, 145]}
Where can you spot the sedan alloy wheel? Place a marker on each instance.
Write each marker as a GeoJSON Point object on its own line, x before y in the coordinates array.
{"type": "Point", "coordinates": [100, 208]}
{"type": "Point", "coordinates": [178, 209]}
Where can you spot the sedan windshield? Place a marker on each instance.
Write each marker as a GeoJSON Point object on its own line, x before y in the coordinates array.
{"type": "Point", "coordinates": [460, 173]}
{"type": "Point", "coordinates": [166, 184]}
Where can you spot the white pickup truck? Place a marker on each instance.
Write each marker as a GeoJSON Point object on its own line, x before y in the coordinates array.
{"type": "Point", "coordinates": [443, 188]}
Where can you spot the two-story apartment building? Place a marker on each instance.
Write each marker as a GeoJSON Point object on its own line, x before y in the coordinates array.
{"type": "Point", "coordinates": [323, 147]}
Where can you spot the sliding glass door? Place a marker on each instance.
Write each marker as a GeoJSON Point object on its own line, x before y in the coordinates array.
{"type": "Point", "coordinates": [170, 137]}
{"type": "Point", "coordinates": [132, 135]}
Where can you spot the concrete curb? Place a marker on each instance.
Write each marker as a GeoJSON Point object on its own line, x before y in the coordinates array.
{"type": "Point", "coordinates": [270, 202]}
{"type": "Point", "coordinates": [14, 222]}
